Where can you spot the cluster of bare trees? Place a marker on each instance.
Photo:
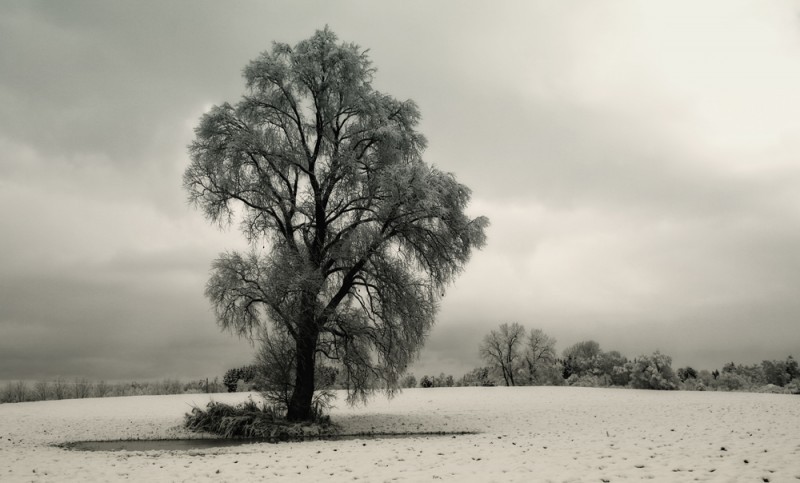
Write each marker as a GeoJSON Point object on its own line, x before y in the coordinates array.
{"type": "Point", "coordinates": [520, 358]}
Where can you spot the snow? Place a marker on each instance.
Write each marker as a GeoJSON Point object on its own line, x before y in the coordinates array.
{"type": "Point", "coordinates": [525, 434]}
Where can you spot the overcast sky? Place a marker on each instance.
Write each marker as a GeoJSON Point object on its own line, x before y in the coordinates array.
{"type": "Point", "coordinates": [639, 163]}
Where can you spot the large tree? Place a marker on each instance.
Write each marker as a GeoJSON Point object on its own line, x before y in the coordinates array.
{"type": "Point", "coordinates": [353, 236]}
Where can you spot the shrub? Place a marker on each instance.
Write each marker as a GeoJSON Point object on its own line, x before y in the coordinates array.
{"type": "Point", "coordinates": [692, 385]}
{"type": "Point", "coordinates": [705, 377]}
{"type": "Point", "coordinates": [685, 373]}
{"type": "Point", "coordinates": [408, 381]}
{"type": "Point", "coordinates": [611, 367]}
{"type": "Point", "coordinates": [477, 377]}
{"type": "Point", "coordinates": [251, 420]}
{"type": "Point", "coordinates": [204, 386]}
{"type": "Point", "coordinates": [169, 386]}
{"type": "Point", "coordinates": [620, 375]}
{"type": "Point", "coordinates": [772, 389]}
{"type": "Point", "coordinates": [730, 381]}
{"type": "Point", "coordinates": [780, 373]}
{"type": "Point", "coordinates": [551, 376]}
{"type": "Point", "coordinates": [426, 382]}
{"type": "Point", "coordinates": [582, 358]}
{"type": "Point", "coordinates": [587, 380]}
{"type": "Point", "coordinates": [652, 372]}
{"type": "Point", "coordinates": [443, 380]}
{"type": "Point", "coordinates": [231, 379]}
{"type": "Point", "coordinates": [738, 378]}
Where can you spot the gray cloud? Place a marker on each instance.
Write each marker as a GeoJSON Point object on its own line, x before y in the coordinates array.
{"type": "Point", "coordinates": [639, 172]}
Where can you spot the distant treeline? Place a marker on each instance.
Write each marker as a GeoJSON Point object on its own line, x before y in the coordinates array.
{"type": "Point", "coordinates": [515, 357]}
{"type": "Point", "coordinates": [79, 388]}
{"type": "Point", "coordinates": [512, 356]}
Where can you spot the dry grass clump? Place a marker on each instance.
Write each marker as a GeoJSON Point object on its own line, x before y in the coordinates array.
{"type": "Point", "coordinates": [251, 420]}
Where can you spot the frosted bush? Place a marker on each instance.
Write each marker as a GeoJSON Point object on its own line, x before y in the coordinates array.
{"type": "Point", "coordinates": [652, 372]}
{"type": "Point", "coordinates": [588, 381]}
{"type": "Point", "coordinates": [729, 381]}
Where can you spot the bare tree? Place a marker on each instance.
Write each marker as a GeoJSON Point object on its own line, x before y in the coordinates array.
{"type": "Point", "coordinates": [42, 390]}
{"type": "Point", "coordinates": [18, 391]}
{"type": "Point", "coordinates": [500, 349]}
{"type": "Point", "coordinates": [101, 389]}
{"type": "Point", "coordinates": [82, 388]}
{"type": "Point", "coordinates": [358, 236]}
{"type": "Point", "coordinates": [60, 388]}
{"type": "Point", "coordinates": [540, 353]}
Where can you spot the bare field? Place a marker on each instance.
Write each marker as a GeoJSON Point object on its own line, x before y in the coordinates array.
{"type": "Point", "coordinates": [525, 434]}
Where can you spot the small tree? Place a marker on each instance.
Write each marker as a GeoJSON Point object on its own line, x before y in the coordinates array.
{"type": "Point", "coordinates": [500, 349]}
{"type": "Point", "coordinates": [360, 236]}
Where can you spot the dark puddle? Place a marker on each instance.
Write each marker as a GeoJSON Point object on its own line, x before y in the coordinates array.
{"type": "Point", "coordinates": [210, 443]}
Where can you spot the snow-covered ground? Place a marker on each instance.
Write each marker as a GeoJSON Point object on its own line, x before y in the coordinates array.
{"type": "Point", "coordinates": [526, 434]}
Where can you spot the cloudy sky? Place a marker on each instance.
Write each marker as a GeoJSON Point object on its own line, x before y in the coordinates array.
{"type": "Point", "coordinates": [639, 162]}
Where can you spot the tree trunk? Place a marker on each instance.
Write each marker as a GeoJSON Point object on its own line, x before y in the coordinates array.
{"type": "Point", "coordinates": [300, 403]}
{"type": "Point", "coordinates": [531, 372]}
{"type": "Point", "coordinates": [511, 373]}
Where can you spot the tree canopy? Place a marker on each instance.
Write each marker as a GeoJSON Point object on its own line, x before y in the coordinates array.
{"type": "Point", "coordinates": [360, 235]}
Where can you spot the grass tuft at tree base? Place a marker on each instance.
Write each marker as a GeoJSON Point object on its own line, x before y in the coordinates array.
{"type": "Point", "coordinates": [250, 420]}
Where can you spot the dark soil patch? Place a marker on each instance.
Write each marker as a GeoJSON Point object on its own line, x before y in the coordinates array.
{"type": "Point", "coordinates": [206, 443]}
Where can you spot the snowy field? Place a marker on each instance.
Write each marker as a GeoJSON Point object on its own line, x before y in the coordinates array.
{"type": "Point", "coordinates": [526, 434]}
